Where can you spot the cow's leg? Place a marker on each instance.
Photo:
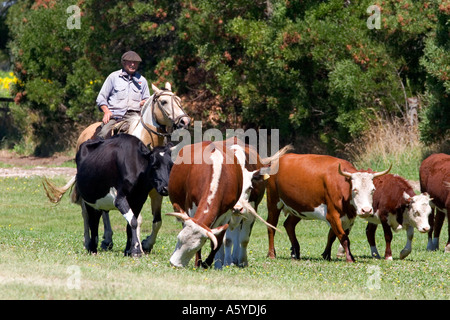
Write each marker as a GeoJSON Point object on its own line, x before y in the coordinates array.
{"type": "Point", "coordinates": [438, 222]}
{"type": "Point", "coordinates": [122, 205]}
{"type": "Point", "coordinates": [447, 246]}
{"type": "Point", "coordinates": [93, 220]}
{"type": "Point", "coordinates": [244, 239]}
{"type": "Point", "coordinates": [409, 237]}
{"type": "Point", "coordinates": [430, 245]}
{"type": "Point", "coordinates": [340, 251]}
{"type": "Point", "coordinates": [138, 229]}
{"type": "Point", "coordinates": [388, 238]}
{"type": "Point", "coordinates": [107, 243]}
{"type": "Point", "coordinates": [156, 203]}
{"type": "Point", "coordinates": [289, 224]}
{"type": "Point", "coordinates": [330, 240]}
{"type": "Point", "coordinates": [231, 241]}
{"type": "Point", "coordinates": [198, 258]}
{"type": "Point", "coordinates": [335, 222]}
{"type": "Point", "coordinates": [210, 259]}
{"type": "Point", "coordinates": [273, 215]}
{"type": "Point", "coordinates": [87, 235]}
{"type": "Point", "coordinates": [370, 234]}
{"type": "Point", "coordinates": [219, 258]}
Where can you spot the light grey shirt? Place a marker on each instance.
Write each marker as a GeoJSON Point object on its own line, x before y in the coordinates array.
{"type": "Point", "coordinates": [121, 92]}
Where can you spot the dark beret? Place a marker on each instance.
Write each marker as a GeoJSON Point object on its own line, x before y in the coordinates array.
{"type": "Point", "coordinates": [131, 56]}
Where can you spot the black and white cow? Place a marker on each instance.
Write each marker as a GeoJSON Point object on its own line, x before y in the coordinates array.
{"type": "Point", "coordinates": [118, 173]}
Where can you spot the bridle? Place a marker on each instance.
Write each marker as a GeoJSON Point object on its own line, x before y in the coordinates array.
{"type": "Point", "coordinates": [155, 101]}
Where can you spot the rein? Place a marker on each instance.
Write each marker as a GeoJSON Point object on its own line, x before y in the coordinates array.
{"type": "Point", "coordinates": [156, 101]}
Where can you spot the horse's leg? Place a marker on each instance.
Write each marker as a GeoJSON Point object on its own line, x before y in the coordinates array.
{"type": "Point", "coordinates": [156, 200]}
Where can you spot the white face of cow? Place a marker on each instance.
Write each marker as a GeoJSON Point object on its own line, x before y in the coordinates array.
{"type": "Point", "coordinates": [362, 190]}
{"type": "Point", "coordinates": [416, 215]}
{"type": "Point", "coordinates": [362, 193]}
{"type": "Point", "coordinates": [191, 239]}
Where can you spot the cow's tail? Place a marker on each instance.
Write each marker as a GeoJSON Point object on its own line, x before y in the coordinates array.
{"type": "Point", "coordinates": [54, 193]}
{"type": "Point", "coordinates": [274, 160]}
{"type": "Point", "coordinates": [250, 209]}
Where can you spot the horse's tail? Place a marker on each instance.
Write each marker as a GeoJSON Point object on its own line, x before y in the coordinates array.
{"type": "Point", "coordinates": [54, 193]}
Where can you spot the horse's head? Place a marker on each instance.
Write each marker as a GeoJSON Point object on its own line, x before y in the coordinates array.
{"type": "Point", "coordinates": [167, 110]}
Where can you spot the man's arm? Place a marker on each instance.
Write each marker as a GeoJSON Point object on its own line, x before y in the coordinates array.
{"type": "Point", "coordinates": [102, 99]}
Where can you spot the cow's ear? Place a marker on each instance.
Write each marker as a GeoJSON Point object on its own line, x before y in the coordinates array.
{"type": "Point", "coordinates": [261, 174]}
{"type": "Point", "coordinates": [152, 159]}
{"type": "Point", "coordinates": [407, 197]}
{"type": "Point", "coordinates": [144, 150]}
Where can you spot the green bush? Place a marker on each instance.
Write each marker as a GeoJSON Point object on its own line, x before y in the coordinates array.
{"type": "Point", "coordinates": [311, 69]}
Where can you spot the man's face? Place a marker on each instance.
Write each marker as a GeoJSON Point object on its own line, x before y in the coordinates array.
{"type": "Point", "coordinates": [130, 66]}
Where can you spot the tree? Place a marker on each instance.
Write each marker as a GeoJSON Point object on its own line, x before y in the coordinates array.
{"type": "Point", "coordinates": [309, 68]}
{"type": "Point", "coordinates": [435, 124]}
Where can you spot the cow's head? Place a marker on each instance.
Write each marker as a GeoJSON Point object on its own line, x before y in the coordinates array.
{"type": "Point", "coordinates": [417, 211]}
{"type": "Point", "coordinates": [362, 190]}
{"type": "Point", "coordinates": [161, 163]}
{"type": "Point", "coordinates": [191, 239]}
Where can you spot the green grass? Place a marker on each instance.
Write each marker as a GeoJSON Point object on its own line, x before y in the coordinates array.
{"type": "Point", "coordinates": [41, 246]}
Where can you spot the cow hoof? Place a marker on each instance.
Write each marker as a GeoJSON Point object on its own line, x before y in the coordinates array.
{"type": "Point", "coordinates": [146, 246]}
{"type": "Point", "coordinates": [376, 255]}
{"type": "Point", "coordinates": [295, 256]}
{"type": "Point", "coordinates": [326, 256]}
{"type": "Point", "coordinates": [107, 246]}
{"type": "Point", "coordinates": [133, 254]}
{"type": "Point", "coordinates": [136, 255]}
{"type": "Point", "coordinates": [404, 254]}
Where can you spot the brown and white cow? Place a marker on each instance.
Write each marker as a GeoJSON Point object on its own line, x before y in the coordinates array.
{"type": "Point", "coordinates": [319, 187]}
{"type": "Point", "coordinates": [237, 236]}
{"type": "Point", "coordinates": [397, 207]}
{"type": "Point", "coordinates": [434, 176]}
{"type": "Point", "coordinates": [205, 194]}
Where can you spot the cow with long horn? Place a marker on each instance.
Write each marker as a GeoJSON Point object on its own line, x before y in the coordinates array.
{"type": "Point", "coordinates": [205, 195]}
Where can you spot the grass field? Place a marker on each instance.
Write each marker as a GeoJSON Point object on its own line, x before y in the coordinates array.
{"type": "Point", "coordinates": [42, 257]}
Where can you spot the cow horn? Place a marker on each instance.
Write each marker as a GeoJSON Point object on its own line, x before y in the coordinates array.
{"type": "Point", "coordinates": [382, 173]}
{"type": "Point", "coordinates": [212, 237]}
{"type": "Point", "coordinates": [181, 215]}
{"type": "Point", "coordinates": [345, 174]}
{"type": "Point", "coordinates": [249, 208]}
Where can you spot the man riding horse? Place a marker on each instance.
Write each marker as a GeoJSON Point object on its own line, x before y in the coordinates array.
{"type": "Point", "coordinates": [126, 102]}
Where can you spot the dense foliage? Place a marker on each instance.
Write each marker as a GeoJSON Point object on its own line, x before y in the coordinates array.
{"type": "Point", "coordinates": [315, 69]}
